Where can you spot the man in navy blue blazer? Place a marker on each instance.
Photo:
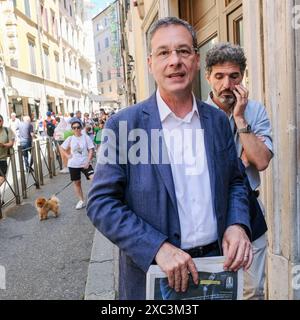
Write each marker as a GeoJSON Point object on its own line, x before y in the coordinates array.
{"type": "Point", "coordinates": [167, 186]}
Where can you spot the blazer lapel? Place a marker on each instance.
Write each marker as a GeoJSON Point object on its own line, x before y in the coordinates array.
{"type": "Point", "coordinates": [207, 126]}
{"type": "Point", "coordinates": [152, 121]}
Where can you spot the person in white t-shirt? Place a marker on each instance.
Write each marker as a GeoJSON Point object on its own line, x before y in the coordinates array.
{"type": "Point", "coordinates": [79, 151]}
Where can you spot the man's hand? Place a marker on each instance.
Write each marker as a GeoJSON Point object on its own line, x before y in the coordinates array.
{"type": "Point", "coordinates": [237, 249]}
{"type": "Point", "coordinates": [241, 94]}
{"type": "Point", "coordinates": [245, 159]}
{"type": "Point", "coordinates": [177, 264]}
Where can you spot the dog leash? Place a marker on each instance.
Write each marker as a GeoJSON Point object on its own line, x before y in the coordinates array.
{"type": "Point", "coordinates": [65, 187]}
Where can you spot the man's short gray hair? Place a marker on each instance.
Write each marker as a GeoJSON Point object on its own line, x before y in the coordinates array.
{"type": "Point", "coordinates": [169, 21]}
{"type": "Point", "coordinates": [225, 52]}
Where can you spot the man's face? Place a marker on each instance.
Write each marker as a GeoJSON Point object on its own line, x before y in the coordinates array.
{"type": "Point", "coordinates": [173, 73]}
{"type": "Point", "coordinates": [223, 79]}
{"type": "Point", "coordinates": [78, 114]}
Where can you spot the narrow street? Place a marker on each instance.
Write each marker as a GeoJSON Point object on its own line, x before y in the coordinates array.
{"type": "Point", "coordinates": [48, 259]}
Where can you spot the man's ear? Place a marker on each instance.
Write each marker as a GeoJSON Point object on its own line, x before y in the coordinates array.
{"type": "Point", "coordinates": [149, 60]}
{"type": "Point", "coordinates": [207, 76]}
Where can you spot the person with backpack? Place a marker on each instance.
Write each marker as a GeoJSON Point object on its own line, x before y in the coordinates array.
{"type": "Point", "coordinates": [49, 124]}
{"type": "Point", "coordinates": [7, 139]}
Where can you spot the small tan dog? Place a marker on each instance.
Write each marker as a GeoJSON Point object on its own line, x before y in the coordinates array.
{"type": "Point", "coordinates": [43, 206]}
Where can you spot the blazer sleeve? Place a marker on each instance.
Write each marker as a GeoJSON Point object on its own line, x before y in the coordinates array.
{"type": "Point", "coordinates": [238, 204]}
{"type": "Point", "coordinates": [107, 208]}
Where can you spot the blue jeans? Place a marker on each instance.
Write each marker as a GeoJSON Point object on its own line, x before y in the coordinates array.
{"type": "Point", "coordinates": [26, 147]}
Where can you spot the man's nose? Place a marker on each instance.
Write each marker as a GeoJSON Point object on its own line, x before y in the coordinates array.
{"type": "Point", "coordinates": [174, 58]}
{"type": "Point", "coordinates": [227, 83]}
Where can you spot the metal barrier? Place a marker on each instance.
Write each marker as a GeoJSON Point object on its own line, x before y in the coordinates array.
{"type": "Point", "coordinates": [42, 159]}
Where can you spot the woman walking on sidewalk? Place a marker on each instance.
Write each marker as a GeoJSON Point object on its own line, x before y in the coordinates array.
{"type": "Point", "coordinates": [79, 151]}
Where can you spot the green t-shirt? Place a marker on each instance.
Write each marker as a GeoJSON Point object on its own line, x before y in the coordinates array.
{"type": "Point", "coordinates": [4, 138]}
{"type": "Point", "coordinates": [98, 133]}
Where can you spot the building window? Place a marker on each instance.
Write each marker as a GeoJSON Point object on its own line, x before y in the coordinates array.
{"type": "Point", "coordinates": [204, 86]}
{"type": "Point", "coordinates": [108, 75]}
{"type": "Point", "coordinates": [100, 76]}
{"type": "Point", "coordinates": [106, 42]}
{"type": "Point", "coordinates": [98, 46]}
{"type": "Point", "coordinates": [53, 24]}
{"type": "Point", "coordinates": [107, 58]}
{"type": "Point", "coordinates": [81, 76]}
{"type": "Point", "coordinates": [32, 57]}
{"type": "Point", "coordinates": [235, 27]}
{"type": "Point", "coordinates": [46, 63]}
{"type": "Point", "coordinates": [27, 8]}
{"type": "Point", "coordinates": [70, 10]}
{"type": "Point", "coordinates": [44, 16]}
{"type": "Point", "coordinates": [57, 68]}
{"type": "Point", "coordinates": [110, 89]}
{"type": "Point", "coordinates": [65, 4]}
{"type": "Point", "coordinates": [67, 31]}
{"type": "Point", "coordinates": [118, 72]}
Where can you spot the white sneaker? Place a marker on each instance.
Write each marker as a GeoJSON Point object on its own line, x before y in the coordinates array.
{"type": "Point", "coordinates": [80, 204]}
{"type": "Point", "coordinates": [64, 170]}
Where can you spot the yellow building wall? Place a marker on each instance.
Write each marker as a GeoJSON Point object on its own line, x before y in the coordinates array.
{"type": "Point", "coordinates": [27, 28]}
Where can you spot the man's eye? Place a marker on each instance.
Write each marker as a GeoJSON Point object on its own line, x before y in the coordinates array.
{"type": "Point", "coordinates": [163, 53]}
{"type": "Point", "coordinates": [184, 51]}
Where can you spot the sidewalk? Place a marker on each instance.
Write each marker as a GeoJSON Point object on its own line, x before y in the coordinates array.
{"type": "Point", "coordinates": [49, 259]}
{"type": "Point", "coordinates": [102, 280]}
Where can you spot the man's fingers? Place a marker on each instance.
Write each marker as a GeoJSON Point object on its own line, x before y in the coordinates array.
{"type": "Point", "coordinates": [247, 266]}
{"type": "Point", "coordinates": [177, 284]}
{"type": "Point", "coordinates": [246, 254]}
{"type": "Point", "coordinates": [242, 90]}
{"type": "Point", "coordinates": [171, 279]}
{"type": "Point", "coordinates": [184, 279]}
{"type": "Point", "coordinates": [193, 270]}
{"type": "Point", "coordinates": [238, 261]}
{"type": "Point", "coordinates": [230, 256]}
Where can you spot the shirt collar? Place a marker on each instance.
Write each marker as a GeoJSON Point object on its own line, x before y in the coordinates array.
{"type": "Point", "coordinates": [165, 111]}
{"type": "Point", "coordinates": [210, 101]}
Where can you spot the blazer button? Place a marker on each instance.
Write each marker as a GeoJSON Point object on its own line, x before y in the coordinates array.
{"type": "Point", "coordinates": [177, 236]}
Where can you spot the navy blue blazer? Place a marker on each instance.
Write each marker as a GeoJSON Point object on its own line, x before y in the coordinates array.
{"type": "Point", "coordinates": [134, 205]}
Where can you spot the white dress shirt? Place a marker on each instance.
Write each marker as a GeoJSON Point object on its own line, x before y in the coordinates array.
{"type": "Point", "coordinates": [188, 161]}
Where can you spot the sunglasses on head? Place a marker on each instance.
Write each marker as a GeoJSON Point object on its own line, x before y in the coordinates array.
{"type": "Point", "coordinates": [76, 127]}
